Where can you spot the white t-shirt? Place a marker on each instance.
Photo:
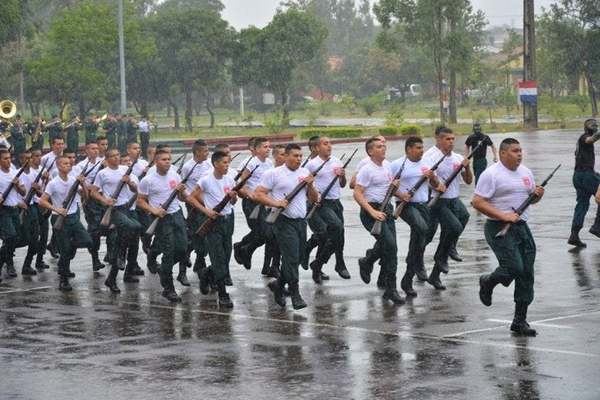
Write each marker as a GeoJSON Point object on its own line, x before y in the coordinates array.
{"type": "Point", "coordinates": [93, 167]}
{"type": "Point", "coordinates": [256, 177]}
{"type": "Point", "coordinates": [173, 169]}
{"type": "Point", "coordinates": [280, 182]}
{"type": "Point", "coordinates": [107, 181]}
{"type": "Point", "coordinates": [214, 190]}
{"type": "Point", "coordinates": [365, 161]}
{"type": "Point", "coordinates": [13, 198]}
{"type": "Point", "coordinates": [326, 175]}
{"type": "Point", "coordinates": [47, 159]}
{"type": "Point", "coordinates": [144, 126]}
{"type": "Point", "coordinates": [375, 179]}
{"type": "Point", "coordinates": [139, 167]}
{"type": "Point", "coordinates": [158, 188]}
{"type": "Point", "coordinates": [128, 193]}
{"type": "Point", "coordinates": [58, 189]}
{"type": "Point", "coordinates": [26, 180]}
{"type": "Point", "coordinates": [505, 189]}
{"type": "Point", "coordinates": [203, 169]}
{"type": "Point", "coordinates": [445, 169]}
{"type": "Point", "coordinates": [412, 172]}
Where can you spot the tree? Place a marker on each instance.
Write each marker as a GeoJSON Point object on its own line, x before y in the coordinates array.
{"type": "Point", "coordinates": [10, 19]}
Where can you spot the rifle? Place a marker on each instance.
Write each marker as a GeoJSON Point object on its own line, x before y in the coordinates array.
{"type": "Point", "coordinates": [525, 204]}
{"type": "Point", "coordinates": [11, 185]}
{"type": "Point", "coordinates": [209, 223]}
{"type": "Point", "coordinates": [234, 156]}
{"type": "Point", "coordinates": [241, 171]}
{"type": "Point", "coordinates": [315, 206]}
{"type": "Point", "coordinates": [414, 189]}
{"type": "Point", "coordinates": [60, 220]}
{"type": "Point", "coordinates": [31, 192]}
{"type": "Point", "coordinates": [108, 213]}
{"type": "Point", "coordinates": [376, 229]}
{"type": "Point", "coordinates": [344, 156]}
{"type": "Point", "coordinates": [182, 158]}
{"type": "Point", "coordinates": [166, 204]}
{"type": "Point", "coordinates": [305, 162]}
{"type": "Point", "coordinates": [276, 211]}
{"type": "Point", "coordinates": [134, 197]}
{"type": "Point", "coordinates": [436, 196]}
{"type": "Point", "coordinates": [46, 179]}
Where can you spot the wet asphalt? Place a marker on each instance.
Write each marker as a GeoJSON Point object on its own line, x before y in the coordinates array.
{"type": "Point", "coordinates": [348, 344]}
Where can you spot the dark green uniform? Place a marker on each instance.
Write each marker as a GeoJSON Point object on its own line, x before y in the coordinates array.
{"type": "Point", "coordinates": [71, 237]}
{"type": "Point", "coordinates": [73, 138]}
{"type": "Point", "coordinates": [291, 239]}
{"type": "Point", "coordinates": [131, 132]}
{"type": "Point", "coordinates": [54, 130]}
{"type": "Point", "coordinates": [111, 133]}
{"type": "Point", "coordinates": [10, 233]}
{"type": "Point", "coordinates": [479, 158]}
{"type": "Point", "coordinates": [122, 135]}
{"type": "Point", "coordinates": [17, 140]}
{"type": "Point", "coordinates": [328, 224]}
{"type": "Point", "coordinates": [585, 181]}
{"type": "Point", "coordinates": [220, 247]}
{"type": "Point", "coordinates": [386, 247]}
{"type": "Point", "coordinates": [171, 237]}
{"type": "Point", "coordinates": [453, 216]}
{"type": "Point", "coordinates": [91, 131]}
{"type": "Point", "coordinates": [416, 216]}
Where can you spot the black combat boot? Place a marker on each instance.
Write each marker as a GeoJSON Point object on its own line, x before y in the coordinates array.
{"type": "Point", "coordinates": [26, 269]}
{"type": "Point", "coordinates": [166, 280]}
{"type": "Point", "coordinates": [182, 275]}
{"type": "Point", "coordinates": [130, 275]}
{"type": "Point", "coordinates": [366, 265]}
{"type": "Point", "coordinates": [240, 253]}
{"type": "Point", "coordinates": [297, 301]}
{"type": "Point", "coordinates": [391, 293]}
{"type": "Point", "coordinates": [40, 265]}
{"type": "Point", "coordinates": [421, 273]}
{"type": "Point", "coordinates": [574, 238]}
{"type": "Point", "coordinates": [224, 299]}
{"type": "Point", "coordinates": [308, 248]}
{"type": "Point", "coordinates": [340, 268]}
{"type": "Point", "coordinates": [434, 278]}
{"type": "Point", "coordinates": [204, 279]}
{"type": "Point", "coordinates": [96, 263]}
{"type": "Point", "coordinates": [519, 325]}
{"type": "Point", "coordinates": [111, 280]}
{"type": "Point", "coordinates": [595, 229]}
{"type": "Point", "coordinates": [153, 265]}
{"type": "Point", "coordinates": [276, 286]}
{"type": "Point", "coordinates": [64, 285]}
{"type": "Point", "coordinates": [381, 279]}
{"type": "Point", "coordinates": [486, 288]}
{"type": "Point", "coordinates": [453, 254]}
{"type": "Point", "coordinates": [316, 266]}
{"type": "Point", "coordinates": [407, 285]}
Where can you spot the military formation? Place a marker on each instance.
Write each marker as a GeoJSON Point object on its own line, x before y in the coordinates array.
{"type": "Point", "coordinates": [181, 210]}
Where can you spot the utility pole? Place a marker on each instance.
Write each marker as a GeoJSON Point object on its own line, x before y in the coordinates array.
{"type": "Point", "coordinates": [122, 59]}
{"type": "Point", "coordinates": [530, 114]}
{"type": "Point", "coordinates": [242, 102]}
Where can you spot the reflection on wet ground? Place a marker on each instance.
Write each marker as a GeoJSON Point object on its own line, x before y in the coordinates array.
{"type": "Point", "coordinates": [346, 344]}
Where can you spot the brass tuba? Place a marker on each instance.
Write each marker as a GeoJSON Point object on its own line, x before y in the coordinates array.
{"type": "Point", "coordinates": [8, 109]}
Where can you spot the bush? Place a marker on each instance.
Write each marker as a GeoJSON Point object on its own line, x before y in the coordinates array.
{"type": "Point", "coordinates": [389, 131]}
{"type": "Point", "coordinates": [410, 130]}
{"type": "Point", "coordinates": [331, 132]}
{"type": "Point", "coordinates": [371, 104]}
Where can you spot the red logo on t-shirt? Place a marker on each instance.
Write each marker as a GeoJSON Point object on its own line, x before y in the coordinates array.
{"type": "Point", "coordinates": [527, 182]}
{"type": "Point", "coordinates": [457, 166]}
{"type": "Point", "coordinates": [173, 184]}
{"type": "Point", "coordinates": [301, 179]}
{"type": "Point", "coordinates": [424, 169]}
{"type": "Point", "coordinates": [226, 189]}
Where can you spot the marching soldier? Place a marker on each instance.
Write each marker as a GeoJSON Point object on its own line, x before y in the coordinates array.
{"type": "Point", "coordinates": [131, 248]}
{"type": "Point", "coordinates": [501, 189]}
{"type": "Point", "coordinates": [127, 228]}
{"type": "Point", "coordinates": [328, 221]}
{"type": "Point", "coordinates": [272, 257]}
{"type": "Point", "coordinates": [290, 227]}
{"type": "Point", "coordinates": [9, 212]}
{"type": "Point", "coordinates": [171, 233]}
{"type": "Point", "coordinates": [72, 235]}
{"type": "Point", "coordinates": [449, 211]}
{"type": "Point", "coordinates": [415, 213]}
{"type": "Point", "coordinates": [244, 249]}
{"type": "Point", "coordinates": [371, 186]}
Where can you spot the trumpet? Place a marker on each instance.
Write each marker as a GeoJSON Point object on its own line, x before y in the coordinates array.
{"type": "Point", "coordinates": [52, 123]}
{"type": "Point", "coordinates": [38, 130]}
{"type": "Point", "coordinates": [75, 121]}
{"type": "Point", "coordinates": [100, 119]}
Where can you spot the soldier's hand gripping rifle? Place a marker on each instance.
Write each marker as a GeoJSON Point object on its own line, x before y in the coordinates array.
{"type": "Point", "coordinates": [276, 211]}
{"type": "Point", "coordinates": [167, 203]}
{"type": "Point", "coordinates": [241, 171]}
{"type": "Point", "coordinates": [316, 206]}
{"type": "Point", "coordinates": [108, 213]}
{"type": "Point", "coordinates": [415, 188]}
{"type": "Point", "coordinates": [11, 185]}
{"type": "Point", "coordinates": [142, 175]}
{"type": "Point", "coordinates": [31, 192]}
{"type": "Point", "coordinates": [376, 229]}
{"type": "Point", "coordinates": [436, 195]}
{"type": "Point", "coordinates": [209, 223]}
{"type": "Point", "coordinates": [528, 201]}
{"type": "Point", "coordinates": [60, 220]}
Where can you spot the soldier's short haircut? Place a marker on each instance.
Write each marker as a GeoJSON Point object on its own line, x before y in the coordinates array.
{"type": "Point", "coordinates": [59, 137]}
{"type": "Point", "coordinates": [92, 142]}
{"type": "Point", "coordinates": [131, 143]}
{"type": "Point", "coordinates": [506, 143]}
{"type": "Point", "coordinates": [292, 146]}
{"type": "Point", "coordinates": [217, 156]}
{"type": "Point", "coordinates": [313, 141]}
{"type": "Point", "coordinates": [279, 147]}
{"type": "Point", "coordinates": [198, 144]}
{"type": "Point", "coordinates": [68, 151]}
{"type": "Point", "coordinates": [412, 141]}
{"type": "Point", "coordinates": [438, 129]}
{"type": "Point", "coordinates": [370, 143]}
{"type": "Point", "coordinates": [443, 131]}
{"type": "Point", "coordinates": [221, 146]}
{"type": "Point", "coordinates": [259, 141]}
{"type": "Point", "coordinates": [100, 138]}
{"type": "Point", "coordinates": [4, 151]}
{"type": "Point", "coordinates": [160, 152]}
{"type": "Point", "coordinates": [162, 146]}
{"type": "Point", "coordinates": [251, 142]}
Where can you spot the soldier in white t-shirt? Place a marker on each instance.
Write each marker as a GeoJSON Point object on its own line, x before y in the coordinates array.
{"type": "Point", "coordinates": [372, 183]}
{"type": "Point", "coordinates": [501, 189]}
{"type": "Point", "coordinates": [171, 233]}
{"type": "Point", "coordinates": [73, 235]}
{"type": "Point", "coordinates": [290, 228]}
{"type": "Point", "coordinates": [415, 212]}
{"type": "Point", "coordinates": [130, 252]}
{"type": "Point", "coordinates": [449, 211]}
{"type": "Point", "coordinates": [327, 223]}
{"type": "Point", "coordinates": [244, 249]}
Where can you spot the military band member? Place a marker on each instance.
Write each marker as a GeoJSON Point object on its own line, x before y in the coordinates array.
{"type": "Point", "coordinates": [9, 212]}
{"type": "Point", "coordinates": [17, 138]}
{"type": "Point", "coordinates": [144, 126]}
{"type": "Point", "coordinates": [209, 192]}
{"type": "Point", "coordinates": [449, 211]}
{"type": "Point", "coordinates": [72, 134]}
{"type": "Point", "coordinates": [110, 127]}
{"type": "Point", "coordinates": [37, 139]}
{"type": "Point", "coordinates": [122, 133]}
{"type": "Point", "coordinates": [244, 249]}
{"type": "Point", "coordinates": [290, 227]}
{"type": "Point", "coordinates": [415, 212]}
{"type": "Point", "coordinates": [126, 227]}
{"type": "Point", "coordinates": [328, 221]}
{"type": "Point", "coordinates": [132, 128]}
{"type": "Point", "coordinates": [91, 128]}
{"type": "Point", "coordinates": [73, 235]}
{"type": "Point", "coordinates": [54, 128]}
{"type": "Point", "coordinates": [501, 189]}
{"type": "Point", "coordinates": [171, 234]}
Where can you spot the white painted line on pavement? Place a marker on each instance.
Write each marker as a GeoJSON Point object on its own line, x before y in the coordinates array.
{"type": "Point", "coordinates": [505, 321]}
{"type": "Point", "coordinates": [25, 290]}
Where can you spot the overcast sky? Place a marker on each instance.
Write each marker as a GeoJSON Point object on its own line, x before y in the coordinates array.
{"type": "Point", "coordinates": [243, 13]}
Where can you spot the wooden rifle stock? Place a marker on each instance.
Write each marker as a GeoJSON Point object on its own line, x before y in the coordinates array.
{"type": "Point", "coordinates": [315, 206]}
{"type": "Point", "coordinates": [209, 223]}
{"type": "Point", "coordinates": [436, 196]}
{"type": "Point", "coordinates": [276, 211]}
{"type": "Point", "coordinates": [166, 204]}
{"type": "Point", "coordinates": [414, 189]}
{"type": "Point", "coordinates": [108, 213]}
{"type": "Point", "coordinates": [525, 204]}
